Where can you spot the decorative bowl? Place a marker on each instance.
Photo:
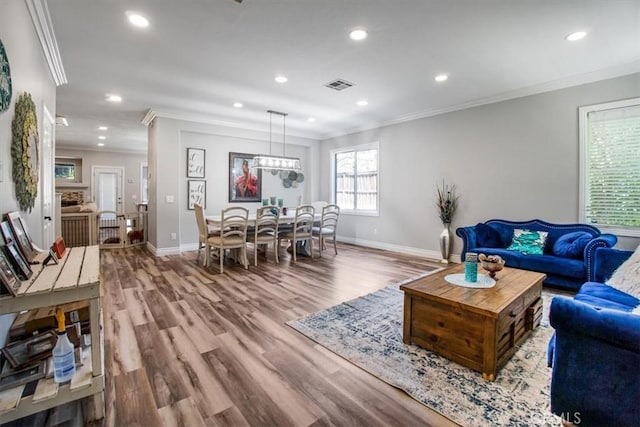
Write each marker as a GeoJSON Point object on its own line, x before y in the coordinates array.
{"type": "Point", "coordinates": [491, 264]}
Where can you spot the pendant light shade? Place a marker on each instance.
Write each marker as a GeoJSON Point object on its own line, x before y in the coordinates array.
{"type": "Point", "coordinates": [271, 162]}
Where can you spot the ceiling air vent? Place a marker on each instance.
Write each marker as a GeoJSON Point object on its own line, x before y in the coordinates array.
{"type": "Point", "coordinates": [339, 84]}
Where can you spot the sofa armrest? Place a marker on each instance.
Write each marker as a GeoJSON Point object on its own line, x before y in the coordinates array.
{"type": "Point", "coordinates": [596, 355]}
{"type": "Point", "coordinates": [602, 241]}
{"type": "Point", "coordinates": [468, 236]}
{"type": "Point", "coordinates": [618, 328]}
{"type": "Point", "coordinates": [605, 262]}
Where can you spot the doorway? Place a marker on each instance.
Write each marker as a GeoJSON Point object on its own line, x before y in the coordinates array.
{"type": "Point", "coordinates": [108, 187]}
{"type": "Point", "coordinates": [48, 130]}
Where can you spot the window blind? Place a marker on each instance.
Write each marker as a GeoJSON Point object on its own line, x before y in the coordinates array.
{"type": "Point", "coordinates": [613, 167]}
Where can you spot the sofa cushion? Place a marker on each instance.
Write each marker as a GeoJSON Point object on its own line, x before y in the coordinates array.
{"type": "Point", "coordinates": [528, 242]}
{"type": "Point", "coordinates": [594, 291]}
{"type": "Point", "coordinates": [627, 277]}
{"type": "Point", "coordinates": [571, 245]}
{"type": "Point", "coordinates": [549, 264]}
{"type": "Point", "coordinates": [488, 236]}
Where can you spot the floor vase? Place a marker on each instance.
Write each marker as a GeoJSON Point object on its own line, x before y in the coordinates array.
{"type": "Point", "coordinates": [445, 243]}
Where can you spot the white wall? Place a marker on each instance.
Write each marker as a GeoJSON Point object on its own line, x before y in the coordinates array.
{"type": "Point", "coordinates": [514, 160]}
{"type": "Point", "coordinates": [129, 161]}
{"type": "Point", "coordinates": [168, 143]}
{"type": "Point", "coordinates": [29, 73]}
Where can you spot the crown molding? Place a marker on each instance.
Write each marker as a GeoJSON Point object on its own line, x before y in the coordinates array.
{"type": "Point", "coordinates": [62, 146]}
{"type": "Point", "coordinates": [148, 118]}
{"type": "Point", "coordinates": [564, 83]}
{"type": "Point", "coordinates": [208, 120]}
{"type": "Point", "coordinates": [42, 23]}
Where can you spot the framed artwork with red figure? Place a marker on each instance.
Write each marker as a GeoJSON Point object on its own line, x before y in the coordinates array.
{"type": "Point", "coordinates": [245, 183]}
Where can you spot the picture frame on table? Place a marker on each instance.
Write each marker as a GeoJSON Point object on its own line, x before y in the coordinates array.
{"type": "Point", "coordinates": [8, 277]}
{"type": "Point", "coordinates": [19, 264]}
{"type": "Point", "coordinates": [7, 234]}
{"type": "Point", "coordinates": [10, 378]}
{"type": "Point", "coordinates": [196, 193]}
{"type": "Point", "coordinates": [21, 236]}
{"type": "Point", "coordinates": [245, 183]}
{"type": "Point", "coordinates": [196, 162]}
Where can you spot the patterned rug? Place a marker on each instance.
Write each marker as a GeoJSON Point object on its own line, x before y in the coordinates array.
{"type": "Point", "coordinates": [367, 331]}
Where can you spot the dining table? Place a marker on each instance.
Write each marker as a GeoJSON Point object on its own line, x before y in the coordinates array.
{"type": "Point", "coordinates": [287, 219]}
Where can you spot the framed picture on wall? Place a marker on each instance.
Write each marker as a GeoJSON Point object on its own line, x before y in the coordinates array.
{"type": "Point", "coordinates": [196, 158]}
{"type": "Point", "coordinates": [245, 184]}
{"type": "Point", "coordinates": [197, 193]}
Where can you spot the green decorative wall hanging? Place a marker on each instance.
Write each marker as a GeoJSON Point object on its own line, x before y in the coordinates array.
{"type": "Point", "coordinates": [24, 151]}
{"type": "Point", "coordinates": [5, 80]}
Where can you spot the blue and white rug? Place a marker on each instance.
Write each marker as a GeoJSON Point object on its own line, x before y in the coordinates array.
{"type": "Point", "coordinates": [367, 331]}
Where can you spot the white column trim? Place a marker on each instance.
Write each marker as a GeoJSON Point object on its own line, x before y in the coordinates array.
{"type": "Point", "coordinates": [42, 23]}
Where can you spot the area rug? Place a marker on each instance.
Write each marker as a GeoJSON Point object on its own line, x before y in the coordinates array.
{"type": "Point", "coordinates": [367, 331]}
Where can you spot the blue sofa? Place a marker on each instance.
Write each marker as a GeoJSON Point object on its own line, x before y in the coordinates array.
{"type": "Point", "coordinates": [568, 272]}
{"type": "Point", "coordinates": [595, 351]}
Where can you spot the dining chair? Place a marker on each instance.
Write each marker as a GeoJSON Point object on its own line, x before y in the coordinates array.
{"type": "Point", "coordinates": [233, 234]}
{"type": "Point", "coordinates": [265, 230]}
{"type": "Point", "coordinates": [301, 229]}
{"type": "Point", "coordinates": [204, 232]}
{"type": "Point", "coordinates": [327, 227]}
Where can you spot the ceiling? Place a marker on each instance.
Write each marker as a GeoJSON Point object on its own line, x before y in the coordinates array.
{"type": "Point", "coordinates": [198, 57]}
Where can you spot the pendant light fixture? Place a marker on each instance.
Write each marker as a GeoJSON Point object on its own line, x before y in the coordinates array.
{"type": "Point", "coordinates": [276, 163]}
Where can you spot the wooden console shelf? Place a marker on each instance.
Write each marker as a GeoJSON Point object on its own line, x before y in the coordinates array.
{"type": "Point", "coordinates": [75, 278]}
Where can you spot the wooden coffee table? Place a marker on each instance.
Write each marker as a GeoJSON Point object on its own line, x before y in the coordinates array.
{"type": "Point", "coordinates": [477, 328]}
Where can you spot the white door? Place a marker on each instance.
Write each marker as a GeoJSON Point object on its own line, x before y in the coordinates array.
{"type": "Point", "coordinates": [108, 188]}
{"type": "Point", "coordinates": [48, 129]}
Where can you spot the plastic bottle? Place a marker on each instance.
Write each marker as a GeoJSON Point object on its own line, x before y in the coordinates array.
{"type": "Point", "coordinates": [64, 363]}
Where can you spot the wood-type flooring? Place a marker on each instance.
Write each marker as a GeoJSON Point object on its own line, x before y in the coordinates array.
{"type": "Point", "coordinates": [186, 346]}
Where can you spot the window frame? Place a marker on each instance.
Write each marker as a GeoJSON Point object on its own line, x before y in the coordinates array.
{"type": "Point", "coordinates": [583, 124]}
{"type": "Point", "coordinates": [355, 148]}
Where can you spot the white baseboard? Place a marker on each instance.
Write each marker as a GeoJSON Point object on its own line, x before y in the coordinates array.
{"type": "Point", "coordinates": [189, 247]}
{"type": "Point", "coordinates": [431, 255]}
{"type": "Point", "coordinates": [163, 251]}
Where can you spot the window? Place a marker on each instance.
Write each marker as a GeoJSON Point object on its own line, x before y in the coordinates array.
{"type": "Point", "coordinates": [355, 178]}
{"type": "Point", "coordinates": [610, 166]}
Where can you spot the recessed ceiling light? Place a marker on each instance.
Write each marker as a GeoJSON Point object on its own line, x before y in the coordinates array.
{"type": "Point", "coordinates": [576, 36]}
{"type": "Point", "coordinates": [113, 98]}
{"type": "Point", "coordinates": [102, 128]}
{"type": "Point", "coordinates": [102, 137]}
{"type": "Point", "coordinates": [100, 144]}
{"type": "Point", "coordinates": [362, 102]}
{"type": "Point", "coordinates": [311, 119]}
{"type": "Point", "coordinates": [358, 34]}
{"type": "Point", "coordinates": [238, 104]}
{"type": "Point", "coordinates": [441, 77]}
{"type": "Point", "coordinates": [282, 79]}
{"type": "Point", "coordinates": [136, 19]}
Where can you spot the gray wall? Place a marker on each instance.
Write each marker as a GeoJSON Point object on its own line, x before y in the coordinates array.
{"type": "Point", "coordinates": [29, 73]}
{"type": "Point", "coordinates": [168, 142]}
{"type": "Point", "coordinates": [130, 161]}
{"type": "Point", "coordinates": [515, 160]}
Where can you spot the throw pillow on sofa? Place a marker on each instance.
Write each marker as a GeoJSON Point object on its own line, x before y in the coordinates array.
{"type": "Point", "coordinates": [571, 245]}
{"type": "Point", "coordinates": [528, 242]}
{"type": "Point", "coordinates": [487, 236]}
{"type": "Point", "coordinates": [627, 277]}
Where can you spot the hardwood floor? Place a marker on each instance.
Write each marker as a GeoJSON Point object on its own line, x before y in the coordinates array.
{"type": "Point", "coordinates": [185, 346]}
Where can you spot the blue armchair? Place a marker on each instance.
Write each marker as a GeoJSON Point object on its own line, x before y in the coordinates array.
{"type": "Point", "coordinates": [595, 352]}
